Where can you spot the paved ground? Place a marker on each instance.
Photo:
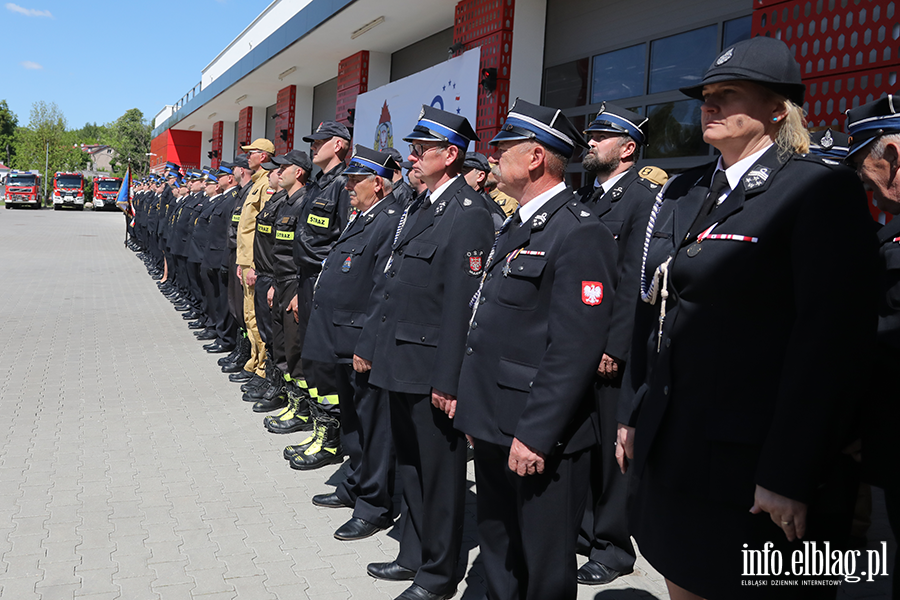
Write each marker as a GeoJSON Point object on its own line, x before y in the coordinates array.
{"type": "Point", "coordinates": [130, 467]}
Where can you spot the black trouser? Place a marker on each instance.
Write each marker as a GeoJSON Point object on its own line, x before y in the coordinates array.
{"type": "Point", "coordinates": [604, 534]}
{"type": "Point", "coordinates": [527, 526]}
{"type": "Point", "coordinates": [431, 464]}
{"type": "Point", "coordinates": [226, 327]}
{"type": "Point", "coordinates": [217, 304]}
{"type": "Point", "coordinates": [235, 291]}
{"type": "Point", "coordinates": [320, 380]}
{"type": "Point", "coordinates": [196, 290]}
{"type": "Point", "coordinates": [366, 438]}
{"type": "Point", "coordinates": [264, 282]}
{"type": "Point", "coordinates": [285, 347]}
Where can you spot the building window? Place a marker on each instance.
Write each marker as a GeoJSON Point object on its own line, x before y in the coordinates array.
{"type": "Point", "coordinates": [680, 60]}
{"type": "Point", "coordinates": [565, 85]}
{"type": "Point", "coordinates": [736, 30]}
{"type": "Point", "coordinates": [619, 74]}
{"type": "Point", "coordinates": [676, 130]}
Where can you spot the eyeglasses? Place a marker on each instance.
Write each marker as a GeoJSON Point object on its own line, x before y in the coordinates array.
{"type": "Point", "coordinates": [418, 150]}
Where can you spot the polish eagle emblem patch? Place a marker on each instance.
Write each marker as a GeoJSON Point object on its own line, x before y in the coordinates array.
{"type": "Point", "coordinates": [591, 292]}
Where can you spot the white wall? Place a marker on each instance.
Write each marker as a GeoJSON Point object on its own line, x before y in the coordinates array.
{"type": "Point", "coordinates": [228, 141]}
{"type": "Point", "coordinates": [527, 66]}
{"type": "Point", "coordinates": [270, 19]}
{"type": "Point", "coordinates": [303, 111]}
{"type": "Point", "coordinates": [258, 123]}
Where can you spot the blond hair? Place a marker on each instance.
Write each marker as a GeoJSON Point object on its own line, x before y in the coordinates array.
{"type": "Point", "coordinates": [792, 136]}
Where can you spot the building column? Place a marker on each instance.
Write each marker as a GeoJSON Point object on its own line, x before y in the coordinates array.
{"type": "Point", "coordinates": [244, 126]}
{"type": "Point", "coordinates": [286, 120]}
{"type": "Point", "coordinates": [216, 149]}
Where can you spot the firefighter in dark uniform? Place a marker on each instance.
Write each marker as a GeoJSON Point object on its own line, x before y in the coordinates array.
{"type": "Point", "coordinates": [210, 266]}
{"type": "Point", "coordinates": [476, 169]}
{"type": "Point", "coordinates": [196, 246]}
{"type": "Point", "coordinates": [536, 333]}
{"type": "Point", "coordinates": [324, 215]}
{"type": "Point", "coordinates": [417, 347]}
{"type": "Point", "coordinates": [875, 152]}
{"type": "Point", "coordinates": [295, 169]}
{"type": "Point", "coordinates": [621, 195]}
{"type": "Point", "coordinates": [185, 216]}
{"type": "Point", "coordinates": [351, 275]}
{"type": "Point", "coordinates": [234, 364]}
{"type": "Point", "coordinates": [217, 258]}
{"type": "Point", "coordinates": [270, 395]}
{"type": "Point", "coordinates": [403, 193]}
{"type": "Point", "coordinates": [830, 145]}
{"type": "Point", "coordinates": [739, 433]}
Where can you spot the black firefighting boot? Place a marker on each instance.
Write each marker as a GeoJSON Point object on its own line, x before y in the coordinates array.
{"type": "Point", "coordinates": [272, 379]}
{"type": "Point", "coordinates": [326, 448]}
{"type": "Point", "coordinates": [274, 396]}
{"type": "Point", "coordinates": [296, 417]}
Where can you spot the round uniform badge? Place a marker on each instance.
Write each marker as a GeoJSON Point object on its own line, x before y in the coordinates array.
{"type": "Point", "coordinates": [346, 266]}
{"type": "Point", "coordinates": [694, 249]}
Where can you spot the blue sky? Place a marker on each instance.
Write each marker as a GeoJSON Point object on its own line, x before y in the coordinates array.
{"type": "Point", "coordinates": [97, 59]}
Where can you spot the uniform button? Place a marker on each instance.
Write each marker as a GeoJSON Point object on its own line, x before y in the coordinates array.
{"type": "Point", "coordinates": [530, 383]}
{"type": "Point", "coordinates": [489, 275]}
{"type": "Point", "coordinates": [521, 268]}
{"type": "Point", "coordinates": [474, 325]}
{"type": "Point", "coordinates": [481, 300]}
{"type": "Point", "coordinates": [668, 342]}
{"type": "Point", "coordinates": [352, 321]}
{"type": "Point", "coordinates": [469, 350]}
{"type": "Point", "coordinates": [423, 338]}
{"type": "Point", "coordinates": [400, 252]}
{"type": "Point", "coordinates": [386, 296]}
{"type": "Point", "coordinates": [384, 318]}
{"type": "Point", "coordinates": [393, 273]}
{"type": "Point", "coordinates": [352, 249]}
{"type": "Point", "coordinates": [666, 391]}
{"type": "Point", "coordinates": [317, 305]}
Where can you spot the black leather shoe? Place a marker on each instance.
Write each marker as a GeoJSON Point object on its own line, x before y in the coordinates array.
{"type": "Point", "coordinates": [207, 335]}
{"type": "Point", "coordinates": [196, 325]}
{"type": "Point", "coordinates": [234, 368]}
{"type": "Point", "coordinates": [217, 348]}
{"type": "Point", "coordinates": [331, 500]}
{"type": "Point", "coordinates": [270, 405]}
{"type": "Point", "coordinates": [239, 376]}
{"type": "Point", "coordinates": [191, 315]}
{"type": "Point", "coordinates": [355, 529]}
{"type": "Point", "coordinates": [183, 308]}
{"type": "Point", "coordinates": [595, 573]}
{"type": "Point", "coordinates": [417, 592]}
{"type": "Point", "coordinates": [390, 571]}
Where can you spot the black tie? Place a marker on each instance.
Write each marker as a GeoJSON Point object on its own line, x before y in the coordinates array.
{"type": "Point", "coordinates": [718, 186]}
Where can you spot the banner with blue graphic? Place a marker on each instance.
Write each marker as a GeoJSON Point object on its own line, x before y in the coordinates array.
{"type": "Point", "coordinates": [387, 114]}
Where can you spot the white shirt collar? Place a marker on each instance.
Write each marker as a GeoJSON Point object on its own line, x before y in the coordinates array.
{"type": "Point", "coordinates": [735, 172]}
{"type": "Point", "coordinates": [437, 193]}
{"type": "Point", "coordinates": [530, 208]}
{"type": "Point", "coordinates": [609, 183]}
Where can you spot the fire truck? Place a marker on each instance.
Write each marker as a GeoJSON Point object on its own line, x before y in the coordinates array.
{"type": "Point", "coordinates": [23, 188]}
{"type": "Point", "coordinates": [106, 190]}
{"type": "Point", "coordinates": [68, 190]}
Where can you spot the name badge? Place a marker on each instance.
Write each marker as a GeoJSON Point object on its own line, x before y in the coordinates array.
{"type": "Point", "coordinates": [236, 218]}
{"type": "Point", "coordinates": [318, 221]}
{"type": "Point", "coordinates": [284, 235]}
{"type": "Point", "coordinates": [264, 228]}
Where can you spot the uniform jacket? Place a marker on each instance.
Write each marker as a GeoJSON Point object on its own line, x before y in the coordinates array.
{"type": "Point", "coordinates": [422, 318]}
{"type": "Point", "coordinates": [200, 234]}
{"type": "Point", "coordinates": [184, 222]}
{"type": "Point", "coordinates": [206, 220]}
{"type": "Point", "coordinates": [741, 391]}
{"type": "Point", "coordinates": [537, 337]}
{"type": "Point", "coordinates": [236, 208]}
{"type": "Point", "coordinates": [286, 222]}
{"type": "Point", "coordinates": [166, 200]}
{"type": "Point", "coordinates": [881, 416]}
{"type": "Point", "coordinates": [403, 193]}
{"type": "Point", "coordinates": [253, 203]}
{"type": "Point", "coordinates": [219, 230]}
{"type": "Point", "coordinates": [264, 240]}
{"type": "Point", "coordinates": [624, 210]}
{"type": "Point", "coordinates": [324, 215]}
{"type": "Point", "coordinates": [352, 273]}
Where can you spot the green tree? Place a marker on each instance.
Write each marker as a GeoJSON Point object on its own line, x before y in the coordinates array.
{"type": "Point", "coordinates": [92, 133]}
{"type": "Point", "coordinates": [45, 141]}
{"type": "Point", "coordinates": [8, 124]}
{"type": "Point", "coordinates": [129, 136]}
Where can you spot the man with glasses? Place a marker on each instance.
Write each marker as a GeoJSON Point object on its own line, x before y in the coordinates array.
{"type": "Point", "coordinates": [875, 153]}
{"type": "Point", "coordinates": [260, 151]}
{"type": "Point", "coordinates": [417, 348]}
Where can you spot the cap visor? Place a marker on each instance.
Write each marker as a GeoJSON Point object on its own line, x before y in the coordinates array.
{"type": "Point", "coordinates": [419, 136]}
{"type": "Point", "coordinates": [508, 136]}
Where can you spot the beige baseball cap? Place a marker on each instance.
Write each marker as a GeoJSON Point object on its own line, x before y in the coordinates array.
{"type": "Point", "coordinates": [260, 144]}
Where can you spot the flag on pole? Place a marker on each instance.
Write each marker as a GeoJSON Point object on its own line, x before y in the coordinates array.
{"type": "Point", "coordinates": [123, 199]}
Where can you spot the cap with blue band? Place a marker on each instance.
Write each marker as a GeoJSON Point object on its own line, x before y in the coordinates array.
{"type": "Point", "coordinates": [872, 120]}
{"type": "Point", "coordinates": [437, 125]}
{"type": "Point", "coordinates": [366, 161]}
{"type": "Point", "coordinates": [614, 119]}
{"type": "Point", "coordinates": [545, 125]}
